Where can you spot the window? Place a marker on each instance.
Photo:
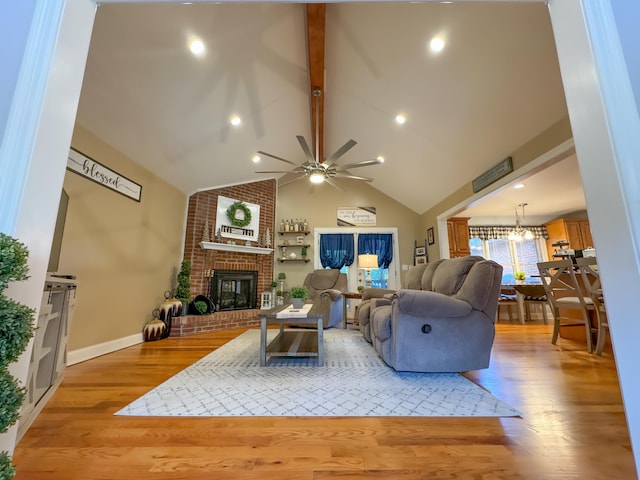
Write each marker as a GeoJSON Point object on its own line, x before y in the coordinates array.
{"type": "Point", "coordinates": [513, 256]}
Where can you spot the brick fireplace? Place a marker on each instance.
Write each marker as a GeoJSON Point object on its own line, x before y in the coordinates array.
{"type": "Point", "coordinates": [204, 262]}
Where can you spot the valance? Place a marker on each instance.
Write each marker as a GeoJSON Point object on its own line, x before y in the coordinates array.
{"type": "Point", "coordinates": [488, 232]}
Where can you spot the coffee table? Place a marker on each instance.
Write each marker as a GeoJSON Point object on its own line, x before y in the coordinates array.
{"type": "Point", "coordinates": [292, 343]}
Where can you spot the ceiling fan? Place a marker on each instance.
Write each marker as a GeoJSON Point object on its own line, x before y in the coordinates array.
{"type": "Point", "coordinates": [314, 168]}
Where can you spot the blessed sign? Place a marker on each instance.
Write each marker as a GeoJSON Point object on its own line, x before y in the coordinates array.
{"type": "Point", "coordinates": [96, 172]}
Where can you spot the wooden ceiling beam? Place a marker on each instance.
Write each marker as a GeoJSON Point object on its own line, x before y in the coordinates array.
{"type": "Point", "coordinates": [315, 54]}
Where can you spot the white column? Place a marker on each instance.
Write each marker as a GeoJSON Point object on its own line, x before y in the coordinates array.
{"type": "Point", "coordinates": [36, 140]}
{"type": "Point", "coordinates": [606, 127]}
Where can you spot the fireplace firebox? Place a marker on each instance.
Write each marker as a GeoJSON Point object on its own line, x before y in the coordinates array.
{"type": "Point", "coordinates": [234, 289]}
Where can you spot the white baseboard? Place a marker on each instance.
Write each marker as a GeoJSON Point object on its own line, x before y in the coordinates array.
{"type": "Point", "coordinates": [87, 353]}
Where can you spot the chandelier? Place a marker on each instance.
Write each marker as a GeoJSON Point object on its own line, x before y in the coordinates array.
{"type": "Point", "coordinates": [519, 233]}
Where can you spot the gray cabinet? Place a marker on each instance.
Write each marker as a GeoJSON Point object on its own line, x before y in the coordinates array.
{"type": "Point", "coordinates": [49, 354]}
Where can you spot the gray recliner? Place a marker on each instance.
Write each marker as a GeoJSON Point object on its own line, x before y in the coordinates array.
{"type": "Point", "coordinates": [327, 287]}
{"type": "Point", "coordinates": [445, 326]}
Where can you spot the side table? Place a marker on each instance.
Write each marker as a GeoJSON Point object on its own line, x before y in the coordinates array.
{"type": "Point", "coordinates": [345, 296]}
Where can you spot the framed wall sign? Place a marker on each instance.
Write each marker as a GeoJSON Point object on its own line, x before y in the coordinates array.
{"type": "Point", "coordinates": [96, 172]}
{"type": "Point", "coordinates": [430, 236]}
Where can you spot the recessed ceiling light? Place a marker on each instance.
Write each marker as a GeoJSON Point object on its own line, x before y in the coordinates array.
{"type": "Point", "coordinates": [235, 120]}
{"type": "Point", "coordinates": [519, 185]}
{"type": "Point", "coordinates": [400, 119]}
{"type": "Point", "coordinates": [256, 158]}
{"type": "Point", "coordinates": [436, 45]}
{"type": "Point", "coordinates": [197, 47]}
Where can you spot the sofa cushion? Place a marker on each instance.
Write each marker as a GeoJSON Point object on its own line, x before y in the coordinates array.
{"type": "Point", "coordinates": [413, 278]}
{"type": "Point", "coordinates": [324, 279]}
{"type": "Point", "coordinates": [429, 272]}
{"type": "Point", "coordinates": [381, 323]}
{"type": "Point", "coordinates": [450, 274]}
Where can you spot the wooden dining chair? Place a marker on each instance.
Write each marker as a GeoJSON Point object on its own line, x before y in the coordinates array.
{"type": "Point", "coordinates": [591, 280]}
{"type": "Point", "coordinates": [564, 293]}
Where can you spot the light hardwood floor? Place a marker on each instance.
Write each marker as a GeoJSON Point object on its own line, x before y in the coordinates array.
{"type": "Point", "coordinates": [572, 427]}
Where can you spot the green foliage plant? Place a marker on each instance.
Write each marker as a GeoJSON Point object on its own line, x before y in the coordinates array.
{"type": "Point", "coordinates": [282, 276]}
{"type": "Point", "coordinates": [303, 251]}
{"type": "Point", "coordinates": [299, 292]}
{"type": "Point", "coordinates": [16, 329]}
{"type": "Point", "coordinates": [183, 290]}
{"type": "Point", "coordinates": [201, 307]}
{"type": "Point", "coordinates": [520, 276]}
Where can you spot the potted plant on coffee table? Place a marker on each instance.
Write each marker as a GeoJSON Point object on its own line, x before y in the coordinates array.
{"type": "Point", "coordinates": [298, 296]}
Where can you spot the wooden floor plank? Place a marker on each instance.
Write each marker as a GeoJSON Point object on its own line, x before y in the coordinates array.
{"type": "Point", "coordinates": [572, 425]}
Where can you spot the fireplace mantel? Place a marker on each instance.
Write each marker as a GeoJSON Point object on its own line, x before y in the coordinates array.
{"type": "Point", "coordinates": [228, 247]}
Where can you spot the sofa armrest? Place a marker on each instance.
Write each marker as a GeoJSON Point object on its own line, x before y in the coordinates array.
{"type": "Point", "coordinates": [368, 293]}
{"type": "Point", "coordinates": [331, 294]}
{"type": "Point", "coordinates": [424, 303]}
{"type": "Point", "coordinates": [380, 302]}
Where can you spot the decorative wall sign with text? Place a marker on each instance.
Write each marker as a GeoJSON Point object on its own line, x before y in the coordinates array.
{"type": "Point", "coordinates": [356, 216]}
{"type": "Point", "coordinates": [96, 172]}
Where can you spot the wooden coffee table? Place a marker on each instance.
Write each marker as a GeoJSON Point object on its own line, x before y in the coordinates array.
{"type": "Point", "coordinates": [292, 343]}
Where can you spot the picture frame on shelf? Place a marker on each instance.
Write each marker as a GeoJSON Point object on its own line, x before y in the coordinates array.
{"type": "Point", "coordinates": [420, 251]}
{"type": "Point", "coordinates": [421, 260]}
{"type": "Point", "coordinates": [430, 236]}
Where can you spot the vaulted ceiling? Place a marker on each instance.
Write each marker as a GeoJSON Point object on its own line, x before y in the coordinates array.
{"type": "Point", "coordinates": [495, 85]}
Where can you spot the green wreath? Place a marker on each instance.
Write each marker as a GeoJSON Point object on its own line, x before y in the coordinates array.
{"type": "Point", "coordinates": [231, 214]}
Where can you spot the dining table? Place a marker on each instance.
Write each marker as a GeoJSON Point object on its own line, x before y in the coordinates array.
{"type": "Point", "coordinates": [530, 288]}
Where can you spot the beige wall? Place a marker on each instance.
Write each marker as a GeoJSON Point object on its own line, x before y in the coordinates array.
{"type": "Point", "coordinates": [556, 134]}
{"type": "Point", "coordinates": [320, 208]}
{"type": "Point", "coordinates": [125, 254]}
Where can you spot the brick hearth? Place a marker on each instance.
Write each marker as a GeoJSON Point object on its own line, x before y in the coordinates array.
{"type": "Point", "coordinates": [202, 210]}
{"type": "Point", "coordinates": [193, 324]}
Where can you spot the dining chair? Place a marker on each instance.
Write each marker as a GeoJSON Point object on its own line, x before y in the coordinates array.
{"type": "Point", "coordinates": [591, 280]}
{"type": "Point", "coordinates": [507, 299]}
{"type": "Point", "coordinates": [564, 293]}
{"type": "Point", "coordinates": [533, 294]}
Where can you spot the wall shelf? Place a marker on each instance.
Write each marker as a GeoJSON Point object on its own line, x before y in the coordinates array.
{"type": "Point", "coordinates": [228, 247]}
{"type": "Point", "coordinates": [283, 260]}
{"type": "Point", "coordinates": [293, 233]}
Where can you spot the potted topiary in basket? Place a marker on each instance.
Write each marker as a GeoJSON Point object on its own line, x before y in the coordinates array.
{"type": "Point", "coordinates": [298, 296]}
{"type": "Point", "coordinates": [183, 290]}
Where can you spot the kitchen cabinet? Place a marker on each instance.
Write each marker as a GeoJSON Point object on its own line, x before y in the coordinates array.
{"type": "Point", "coordinates": [576, 231]}
{"type": "Point", "coordinates": [458, 231]}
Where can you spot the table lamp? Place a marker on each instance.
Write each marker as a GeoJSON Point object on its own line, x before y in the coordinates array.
{"type": "Point", "coordinates": [367, 262]}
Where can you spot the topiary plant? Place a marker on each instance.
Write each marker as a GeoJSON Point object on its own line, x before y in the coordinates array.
{"type": "Point", "coordinates": [16, 328]}
{"type": "Point", "coordinates": [183, 290]}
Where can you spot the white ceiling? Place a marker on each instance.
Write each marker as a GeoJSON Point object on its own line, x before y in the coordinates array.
{"type": "Point", "coordinates": [495, 86]}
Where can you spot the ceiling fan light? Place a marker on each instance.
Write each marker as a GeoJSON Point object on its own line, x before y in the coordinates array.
{"type": "Point", "coordinates": [316, 177]}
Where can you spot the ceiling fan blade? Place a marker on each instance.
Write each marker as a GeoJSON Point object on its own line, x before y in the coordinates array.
{"type": "Point", "coordinates": [291, 181]}
{"type": "Point", "coordinates": [333, 183]}
{"type": "Point", "coordinates": [305, 149]}
{"type": "Point", "coordinates": [341, 151]}
{"type": "Point", "coordinates": [354, 177]}
{"type": "Point", "coordinates": [276, 171]}
{"type": "Point", "coordinates": [364, 163]}
{"type": "Point", "coordinates": [277, 158]}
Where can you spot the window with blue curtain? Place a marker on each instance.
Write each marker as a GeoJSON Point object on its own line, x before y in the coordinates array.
{"type": "Point", "coordinates": [336, 250]}
{"type": "Point", "coordinates": [377, 244]}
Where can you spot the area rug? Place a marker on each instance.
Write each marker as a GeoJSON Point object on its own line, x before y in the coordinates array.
{"type": "Point", "coordinates": [353, 381]}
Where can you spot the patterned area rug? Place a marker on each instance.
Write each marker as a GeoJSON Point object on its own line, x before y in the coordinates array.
{"type": "Point", "coordinates": [354, 381]}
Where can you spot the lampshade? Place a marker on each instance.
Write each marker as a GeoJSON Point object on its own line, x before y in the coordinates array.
{"type": "Point", "coordinates": [367, 261]}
